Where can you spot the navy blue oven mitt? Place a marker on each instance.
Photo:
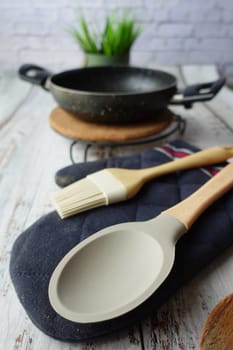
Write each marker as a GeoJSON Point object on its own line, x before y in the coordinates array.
{"type": "Point", "coordinates": [38, 250]}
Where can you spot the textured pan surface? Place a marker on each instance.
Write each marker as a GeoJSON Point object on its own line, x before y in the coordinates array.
{"type": "Point", "coordinates": [113, 94]}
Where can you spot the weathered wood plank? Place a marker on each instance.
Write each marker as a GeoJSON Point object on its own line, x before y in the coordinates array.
{"type": "Point", "coordinates": [13, 92]}
{"type": "Point", "coordinates": [30, 154]}
{"type": "Point", "coordinates": [221, 106]}
{"type": "Point", "coordinates": [177, 324]}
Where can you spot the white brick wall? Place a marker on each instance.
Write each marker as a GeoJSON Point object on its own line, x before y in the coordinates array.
{"type": "Point", "coordinates": [175, 31]}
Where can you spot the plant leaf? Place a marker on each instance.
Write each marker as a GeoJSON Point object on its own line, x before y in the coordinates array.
{"type": "Point", "coordinates": [116, 39]}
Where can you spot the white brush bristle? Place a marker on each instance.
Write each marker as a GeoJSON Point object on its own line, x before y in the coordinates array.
{"type": "Point", "coordinates": [77, 197]}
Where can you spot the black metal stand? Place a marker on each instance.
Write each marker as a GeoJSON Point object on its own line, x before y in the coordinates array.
{"type": "Point", "coordinates": [179, 125]}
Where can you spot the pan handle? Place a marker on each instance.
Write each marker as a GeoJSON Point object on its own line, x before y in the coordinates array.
{"type": "Point", "coordinates": [197, 93]}
{"type": "Point", "coordinates": [35, 75]}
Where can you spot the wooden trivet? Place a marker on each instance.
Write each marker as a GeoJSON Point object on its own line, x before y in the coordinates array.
{"type": "Point", "coordinates": [70, 125]}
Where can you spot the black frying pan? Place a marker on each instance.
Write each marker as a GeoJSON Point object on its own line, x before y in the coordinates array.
{"type": "Point", "coordinates": [117, 94]}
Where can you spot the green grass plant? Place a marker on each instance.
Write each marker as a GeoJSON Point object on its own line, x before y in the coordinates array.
{"type": "Point", "coordinates": [116, 39]}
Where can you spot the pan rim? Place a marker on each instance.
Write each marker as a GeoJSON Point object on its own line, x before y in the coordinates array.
{"type": "Point", "coordinates": [172, 85]}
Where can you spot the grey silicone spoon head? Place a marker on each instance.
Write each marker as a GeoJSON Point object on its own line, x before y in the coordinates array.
{"type": "Point", "coordinates": [118, 268]}
{"type": "Point", "coordinates": [99, 278]}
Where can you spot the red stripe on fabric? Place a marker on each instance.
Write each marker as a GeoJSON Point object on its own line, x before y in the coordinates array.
{"type": "Point", "coordinates": [213, 171]}
{"type": "Point", "coordinates": [174, 153]}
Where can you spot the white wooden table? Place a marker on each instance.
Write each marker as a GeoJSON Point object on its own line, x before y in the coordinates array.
{"type": "Point", "coordinates": [31, 153]}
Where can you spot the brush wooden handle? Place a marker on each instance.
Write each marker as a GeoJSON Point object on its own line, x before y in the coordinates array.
{"type": "Point", "coordinates": [193, 206]}
{"type": "Point", "coordinates": [134, 179]}
{"type": "Point", "coordinates": [209, 156]}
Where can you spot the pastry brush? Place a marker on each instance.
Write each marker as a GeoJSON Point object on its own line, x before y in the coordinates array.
{"type": "Point", "coordinates": [113, 185]}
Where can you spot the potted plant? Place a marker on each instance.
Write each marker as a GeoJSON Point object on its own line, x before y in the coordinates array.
{"type": "Point", "coordinates": [110, 46]}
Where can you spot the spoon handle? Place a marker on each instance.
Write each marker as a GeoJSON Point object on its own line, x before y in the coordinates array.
{"type": "Point", "coordinates": [193, 206]}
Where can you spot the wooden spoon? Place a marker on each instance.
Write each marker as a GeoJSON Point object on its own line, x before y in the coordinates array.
{"type": "Point", "coordinates": [217, 332]}
{"type": "Point", "coordinates": [116, 269]}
